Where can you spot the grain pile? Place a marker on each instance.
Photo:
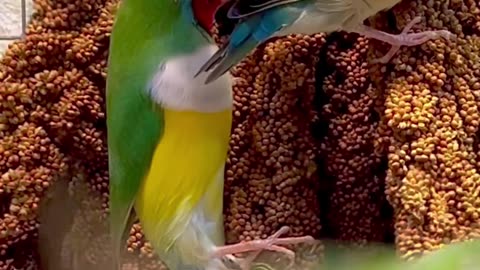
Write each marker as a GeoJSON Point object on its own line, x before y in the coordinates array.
{"type": "Point", "coordinates": [271, 174]}
{"type": "Point", "coordinates": [429, 129]}
{"type": "Point", "coordinates": [407, 129]}
{"type": "Point", "coordinates": [352, 169]}
{"type": "Point", "coordinates": [51, 112]}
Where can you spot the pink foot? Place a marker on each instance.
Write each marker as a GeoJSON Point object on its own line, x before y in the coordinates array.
{"type": "Point", "coordinates": [402, 39]}
{"type": "Point", "coordinates": [272, 243]}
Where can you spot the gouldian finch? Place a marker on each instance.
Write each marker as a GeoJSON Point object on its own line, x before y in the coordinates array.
{"type": "Point", "coordinates": [168, 136]}
{"type": "Point", "coordinates": [259, 20]}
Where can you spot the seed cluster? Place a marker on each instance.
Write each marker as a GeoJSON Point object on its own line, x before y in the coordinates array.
{"type": "Point", "coordinates": [51, 113]}
{"type": "Point", "coordinates": [321, 139]}
{"type": "Point", "coordinates": [429, 129]}
{"type": "Point", "coordinates": [353, 170]}
{"type": "Point", "coordinates": [271, 177]}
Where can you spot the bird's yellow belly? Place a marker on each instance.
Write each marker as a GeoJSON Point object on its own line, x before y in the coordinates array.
{"type": "Point", "coordinates": [185, 165]}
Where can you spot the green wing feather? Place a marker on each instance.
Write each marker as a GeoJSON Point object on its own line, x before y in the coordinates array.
{"type": "Point", "coordinates": [134, 122]}
{"type": "Point", "coordinates": [146, 34]}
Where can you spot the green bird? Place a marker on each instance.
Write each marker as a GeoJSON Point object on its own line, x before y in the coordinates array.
{"type": "Point", "coordinates": [168, 136]}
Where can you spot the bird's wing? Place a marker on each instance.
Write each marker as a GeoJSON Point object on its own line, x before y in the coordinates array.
{"type": "Point", "coordinates": [134, 122]}
{"type": "Point", "coordinates": [245, 8]}
{"type": "Point", "coordinates": [331, 6]}
{"type": "Point", "coordinates": [247, 35]}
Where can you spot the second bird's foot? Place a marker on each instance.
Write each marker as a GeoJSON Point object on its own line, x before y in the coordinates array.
{"type": "Point", "coordinates": [404, 38]}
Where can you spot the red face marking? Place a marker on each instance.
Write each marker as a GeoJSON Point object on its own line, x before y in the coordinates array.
{"type": "Point", "coordinates": [204, 12]}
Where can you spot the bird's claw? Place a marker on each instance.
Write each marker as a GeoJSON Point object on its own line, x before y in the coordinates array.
{"type": "Point", "coordinates": [406, 39]}
{"type": "Point", "coordinates": [272, 243]}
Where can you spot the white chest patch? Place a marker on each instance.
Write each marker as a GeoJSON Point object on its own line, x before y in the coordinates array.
{"type": "Point", "coordinates": [173, 85]}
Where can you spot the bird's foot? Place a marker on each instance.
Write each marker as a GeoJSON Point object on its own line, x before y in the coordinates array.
{"type": "Point", "coordinates": [403, 39]}
{"type": "Point", "coordinates": [272, 243]}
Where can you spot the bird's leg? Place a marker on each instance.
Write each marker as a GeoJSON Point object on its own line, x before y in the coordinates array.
{"type": "Point", "coordinates": [402, 39]}
{"type": "Point", "coordinates": [272, 243]}
{"type": "Point", "coordinates": [247, 262]}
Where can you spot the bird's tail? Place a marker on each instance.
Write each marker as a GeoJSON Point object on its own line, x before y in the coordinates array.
{"type": "Point", "coordinates": [188, 252]}
{"type": "Point", "coordinates": [119, 236]}
{"type": "Point", "coordinates": [188, 244]}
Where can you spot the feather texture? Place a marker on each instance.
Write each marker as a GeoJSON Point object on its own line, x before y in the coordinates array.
{"type": "Point", "coordinates": [257, 21]}
{"type": "Point", "coordinates": [145, 34]}
{"type": "Point", "coordinates": [180, 201]}
{"type": "Point", "coordinates": [249, 34]}
{"type": "Point", "coordinates": [204, 12]}
{"type": "Point", "coordinates": [167, 90]}
{"type": "Point", "coordinates": [243, 9]}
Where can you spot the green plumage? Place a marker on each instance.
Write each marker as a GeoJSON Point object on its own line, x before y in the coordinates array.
{"type": "Point", "coordinates": [145, 34]}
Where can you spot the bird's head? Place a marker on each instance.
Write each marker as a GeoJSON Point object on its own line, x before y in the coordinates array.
{"type": "Point", "coordinates": [204, 12]}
